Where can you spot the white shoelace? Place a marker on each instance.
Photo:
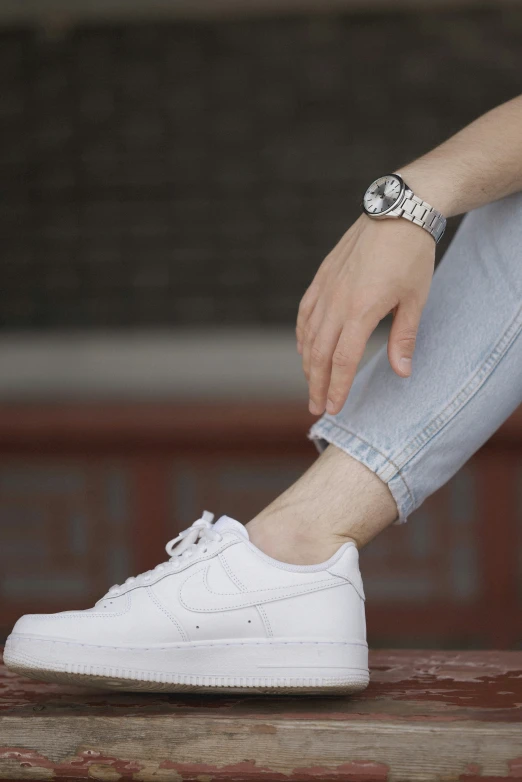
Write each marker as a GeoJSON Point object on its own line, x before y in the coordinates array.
{"type": "Point", "coordinates": [185, 545]}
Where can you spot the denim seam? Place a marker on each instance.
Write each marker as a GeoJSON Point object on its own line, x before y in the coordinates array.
{"type": "Point", "coordinates": [388, 472]}
{"type": "Point", "coordinates": [393, 469]}
{"type": "Point", "coordinates": [463, 396]}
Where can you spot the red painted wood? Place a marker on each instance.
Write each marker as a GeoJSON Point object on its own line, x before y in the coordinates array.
{"type": "Point", "coordinates": [413, 695]}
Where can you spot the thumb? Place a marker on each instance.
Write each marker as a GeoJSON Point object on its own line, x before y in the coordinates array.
{"type": "Point", "coordinates": [403, 335]}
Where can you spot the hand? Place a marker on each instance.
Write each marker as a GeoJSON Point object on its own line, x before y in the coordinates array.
{"type": "Point", "coordinates": [378, 267]}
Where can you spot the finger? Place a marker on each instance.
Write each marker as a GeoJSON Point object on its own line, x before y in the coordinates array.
{"type": "Point", "coordinates": [310, 298]}
{"type": "Point", "coordinates": [321, 364]}
{"type": "Point", "coordinates": [345, 360]}
{"type": "Point", "coordinates": [306, 307]}
{"type": "Point", "coordinates": [403, 335]}
{"type": "Point", "coordinates": [310, 333]}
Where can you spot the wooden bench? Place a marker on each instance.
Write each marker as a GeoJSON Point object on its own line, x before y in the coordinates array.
{"type": "Point", "coordinates": [426, 716]}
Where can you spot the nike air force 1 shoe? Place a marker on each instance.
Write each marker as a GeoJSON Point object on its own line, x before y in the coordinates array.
{"type": "Point", "coordinates": [219, 615]}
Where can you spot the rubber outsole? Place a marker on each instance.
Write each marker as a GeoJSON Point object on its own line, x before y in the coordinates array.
{"type": "Point", "coordinates": [240, 685]}
{"type": "Point", "coordinates": [134, 680]}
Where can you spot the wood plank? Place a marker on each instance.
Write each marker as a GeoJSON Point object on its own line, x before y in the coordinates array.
{"type": "Point", "coordinates": [425, 716]}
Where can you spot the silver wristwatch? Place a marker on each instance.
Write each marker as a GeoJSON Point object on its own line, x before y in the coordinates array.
{"type": "Point", "coordinates": [390, 196]}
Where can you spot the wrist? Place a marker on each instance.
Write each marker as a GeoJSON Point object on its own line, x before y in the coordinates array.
{"type": "Point", "coordinates": [431, 188]}
{"type": "Point", "coordinates": [390, 196]}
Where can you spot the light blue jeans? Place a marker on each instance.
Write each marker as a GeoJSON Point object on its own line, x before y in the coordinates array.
{"type": "Point", "coordinates": [415, 433]}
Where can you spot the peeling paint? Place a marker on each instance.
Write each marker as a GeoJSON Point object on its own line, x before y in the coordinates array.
{"type": "Point", "coordinates": [473, 773]}
{"type": "Point", "coordinates": [487, 778]}
{"type": "Point", "coordinates": [432, 689]}
{"type": "Point", "coordinates": [262, 728]}
{"type": "Point", "coordinates": [152, 773]}
{"type": "Point", "coordinates": [473, 768]}
{"type": "Point", "coordinates": [355, 771]}
{"type": "Point", "coordinates": [92, 765]}
{"type": "Point", "coordinates": [86, 764]}
{"type": "Point", "coordinates": [104, 773]}
{"type": "Point", "coordinates": [515, 767]}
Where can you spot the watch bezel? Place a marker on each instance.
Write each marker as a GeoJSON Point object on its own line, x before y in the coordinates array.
{"type": "Point", "coordinates": [377, 215]}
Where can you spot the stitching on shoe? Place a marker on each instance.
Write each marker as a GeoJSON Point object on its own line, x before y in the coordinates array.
{"type": "Point", "coordinates": [230, 573]}
{"type": "Point", "coordinates": [315, 587]}
{"type": "Point", "coordinates": [260, 610]}
{"type": "Point", "coordinates": [186, 645]}
{"type": "Point", "coordinates": [272, 589]}
{"type": "Point", "coordinates": [321, 567]}
{"type": "Point", "coordinates": [84, 614]}
{"type": "Point", "coordinates": [167, 613]}
{"type": "Point", "coordinates": [173, 572]}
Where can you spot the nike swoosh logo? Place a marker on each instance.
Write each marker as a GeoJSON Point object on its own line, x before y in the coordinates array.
{"type": "Point", "coordinates": [196, 595]}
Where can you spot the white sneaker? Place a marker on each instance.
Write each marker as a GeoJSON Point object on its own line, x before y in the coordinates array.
{"type": "Point", "coordinates": [219, 614]}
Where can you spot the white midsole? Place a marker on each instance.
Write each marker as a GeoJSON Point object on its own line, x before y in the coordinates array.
{"type": "Point", "coordinates": [286, 658]}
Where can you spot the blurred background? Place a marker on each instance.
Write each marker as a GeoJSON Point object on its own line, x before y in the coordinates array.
{"type": "Point", "coordinates": [172, 173]}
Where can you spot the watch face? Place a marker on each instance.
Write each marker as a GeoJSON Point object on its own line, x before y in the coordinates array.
{"type": "Point", "coordinates": [382, 195]}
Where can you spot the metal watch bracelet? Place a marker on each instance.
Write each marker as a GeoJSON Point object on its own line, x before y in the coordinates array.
{"type": "Point", "coordinates": [421, 213]}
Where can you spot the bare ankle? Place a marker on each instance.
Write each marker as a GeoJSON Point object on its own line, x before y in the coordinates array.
{"type": "Point", "coordinates": [337, 500]}
{"type": "Point", "coordinates": [293, 542]}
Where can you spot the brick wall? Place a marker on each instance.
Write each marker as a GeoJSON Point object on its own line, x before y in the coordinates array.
{"type": "Point", "coordinates": [186, 173]}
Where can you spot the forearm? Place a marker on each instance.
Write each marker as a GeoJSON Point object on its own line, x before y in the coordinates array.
{"type": "Point", "coordinates": [480, 164]}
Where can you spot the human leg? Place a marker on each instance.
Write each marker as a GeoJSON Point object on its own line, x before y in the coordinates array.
{"type": "Point", "coordinates": [410, 435]}
{"type": "Point", "coordinates": [220, 613]}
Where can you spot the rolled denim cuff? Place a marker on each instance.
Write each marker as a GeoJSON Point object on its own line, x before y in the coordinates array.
{"type": "Point", "coordinates": [414, 433]}
{"type": "Point", "coordinates": [327, 431]}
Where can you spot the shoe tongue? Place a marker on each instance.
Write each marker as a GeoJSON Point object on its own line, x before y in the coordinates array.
{"type": "Point", "coordinates": [226, 524]}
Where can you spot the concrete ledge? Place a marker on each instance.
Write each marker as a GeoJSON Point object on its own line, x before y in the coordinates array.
{"type": "Point", "coordinates": [205, 365]}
